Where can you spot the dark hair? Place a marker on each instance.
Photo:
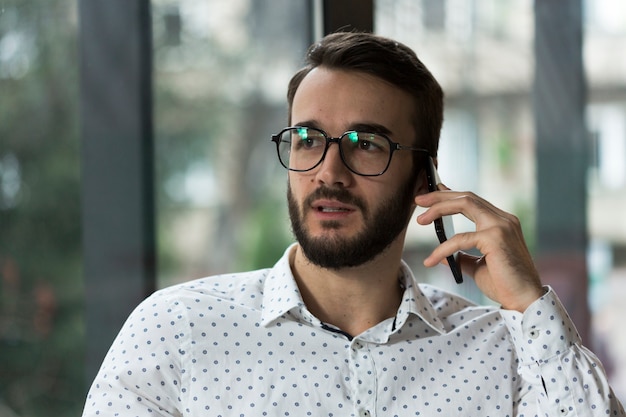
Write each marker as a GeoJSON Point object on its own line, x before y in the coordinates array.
{"type": "Point", "coordinates": [386, 59]}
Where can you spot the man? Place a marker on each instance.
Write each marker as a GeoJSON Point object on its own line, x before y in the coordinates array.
{"type": "Point", "coordinates": [339, 326]}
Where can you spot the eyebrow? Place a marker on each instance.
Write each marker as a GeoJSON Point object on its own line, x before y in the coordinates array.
{"type": "Point", "coordinates": [308, 123]}
{"type": "Point", "coordinates": [371, 128]}
{"type": "Point", "coordinates": [360, 127]}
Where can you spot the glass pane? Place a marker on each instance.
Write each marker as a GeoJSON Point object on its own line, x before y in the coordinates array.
{"type": "Point", "coordinates": [605, 33]}
{"type": "Point", "coordinates": [486, 141]}
{"type": "Point", "coordinates": [41, 292]}
{"type": "Point", "coordinates": [221, 74]}
{"type": "Point", "coordinates": [482, 53]}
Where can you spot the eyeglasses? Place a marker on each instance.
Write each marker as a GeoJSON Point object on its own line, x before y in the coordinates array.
{"type": "Point", "coordinates": [368, 154]}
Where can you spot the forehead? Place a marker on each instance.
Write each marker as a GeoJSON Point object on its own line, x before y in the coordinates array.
{"type": "Point", "coordinates": [337, 99]}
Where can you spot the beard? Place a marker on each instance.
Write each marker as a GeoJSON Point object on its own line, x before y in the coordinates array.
{"type": "Point", "coordinates": [382, 227]}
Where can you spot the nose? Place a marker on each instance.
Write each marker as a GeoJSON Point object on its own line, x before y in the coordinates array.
{"type": "Point", "coordinates": [332, 171]}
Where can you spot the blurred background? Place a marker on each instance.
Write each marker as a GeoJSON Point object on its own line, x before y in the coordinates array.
{"type": "Point", "coordinates": [135, 153]}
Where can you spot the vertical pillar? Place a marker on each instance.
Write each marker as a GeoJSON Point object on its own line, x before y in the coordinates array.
{"type": "Point", "coordinates": [117, 166]}
{"type": "Point", "coordinates": [559, 95]}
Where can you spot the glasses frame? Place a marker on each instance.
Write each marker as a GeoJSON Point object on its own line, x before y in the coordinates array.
{"type": "Point", "coordinates": [393, 146]}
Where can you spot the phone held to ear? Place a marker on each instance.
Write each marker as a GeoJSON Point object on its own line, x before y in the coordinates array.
{"type": "Point", "coordinates": [443, 225]}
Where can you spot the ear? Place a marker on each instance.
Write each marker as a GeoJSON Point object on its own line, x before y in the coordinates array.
{"type": "Point", "coordinates": [421, 183]}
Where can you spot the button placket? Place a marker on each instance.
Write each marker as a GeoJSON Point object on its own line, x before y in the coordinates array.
{"type": "Point", "coordinates": [364, 378]}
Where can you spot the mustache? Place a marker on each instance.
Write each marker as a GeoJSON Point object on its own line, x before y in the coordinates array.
{"type": "Point", "coordinates": [340, 194]}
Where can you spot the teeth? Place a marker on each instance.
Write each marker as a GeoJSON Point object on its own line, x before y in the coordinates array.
{"type": "Point", "coordinates": [331, 209]}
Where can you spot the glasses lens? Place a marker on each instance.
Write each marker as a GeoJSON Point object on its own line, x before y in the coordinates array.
{"type": "Point", "coordinates": [365, 153]}
{"type": "Point", "coordinates": [301, 148]}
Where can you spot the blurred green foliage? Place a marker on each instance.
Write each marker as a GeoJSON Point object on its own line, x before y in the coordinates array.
{"type": "Point", "coordinates": [41, 312]}
{"type": "Point", "coordinates": [198, 121]}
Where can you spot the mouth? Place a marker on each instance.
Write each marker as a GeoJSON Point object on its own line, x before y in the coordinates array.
{"type": "Point", "coordinates": [323, 209]}
{"type": "Point", "coordinates": [332, 207]}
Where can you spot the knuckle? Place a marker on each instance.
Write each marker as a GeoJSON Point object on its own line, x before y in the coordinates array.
{"type": "Point", "coordinates": [513, 223]}
{"type": "Point", "coordinates": [515, 220]}
{"type": "Point", "coordinates": [497, 233]}
{"type": "Point", "coordinates": [469, 199]}
{"type": "Point", "coordinates": [469, 196]}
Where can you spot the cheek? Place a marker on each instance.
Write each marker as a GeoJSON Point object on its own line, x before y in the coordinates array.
{"type": "Point", "coordinates": [300, 180]}
{"type": "Point", "coordinates": [299, 186]}
{"type": "Point", "coordinates": [389, 191]}
{"type": "Point", "coordinates": [382, 195]}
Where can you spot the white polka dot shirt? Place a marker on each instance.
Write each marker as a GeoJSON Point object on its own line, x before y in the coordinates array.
{"type": "Point", "coordinates": [246, 345]}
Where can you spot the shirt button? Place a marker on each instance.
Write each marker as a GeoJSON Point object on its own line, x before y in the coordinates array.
{"type": "Point", "coordinates": [534, 334]}
{"type": "Point", "coordinates": [563, 411]}
{"type": "Point", "coordinates": [364, 413]}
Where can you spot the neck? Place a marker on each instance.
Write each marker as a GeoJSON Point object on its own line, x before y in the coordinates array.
{"type": "Point", "coordinates": [352, 299]}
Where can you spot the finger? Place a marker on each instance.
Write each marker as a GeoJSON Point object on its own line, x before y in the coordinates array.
{"type": "Point", "coordinates": [438, 207]}
{"type": "Point", "coordinates": [457, 243]}
{"type": "Point", "coordinates": [444, 203]}
{"type": "Point", "coordinates": [433, 197]}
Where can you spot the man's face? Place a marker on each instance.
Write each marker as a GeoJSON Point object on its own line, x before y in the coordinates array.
{"type": "Point", "coordinates": [339, 218]}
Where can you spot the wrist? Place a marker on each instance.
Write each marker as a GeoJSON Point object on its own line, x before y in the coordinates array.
{"type": "Point", "coordinates": [523, 301]}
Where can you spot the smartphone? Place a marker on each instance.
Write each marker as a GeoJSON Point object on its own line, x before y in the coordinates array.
{"type": "Point", "coordinates": [444, 226]}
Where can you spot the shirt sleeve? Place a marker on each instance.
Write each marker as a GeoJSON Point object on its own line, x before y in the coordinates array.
{"type": "Point", "coordinates": [142, 373]}
{"type": "Point", "coordinates": [567, 378]}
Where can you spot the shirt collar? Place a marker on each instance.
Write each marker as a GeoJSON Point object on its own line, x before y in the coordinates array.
{"type": "Point", "coordinates": [280, 291]}
{"type": "Point", "coordinates": [281, 296]}
{"type": "Point", "coordinates": [415, 301]}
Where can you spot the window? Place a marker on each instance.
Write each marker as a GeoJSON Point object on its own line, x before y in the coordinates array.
{"type": "Point", "coordinates": [41, 283]}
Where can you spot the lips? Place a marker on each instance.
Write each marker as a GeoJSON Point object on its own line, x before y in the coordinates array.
{"type": "Point", "coordinates": [333, 203]}
{"type": "Point", "coordinates": [331, 207]}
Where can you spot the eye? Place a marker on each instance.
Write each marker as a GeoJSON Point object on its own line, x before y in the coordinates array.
{"type": "Point", "coordinates": [366, 145]}
{"type": "Point", "coordinates": [306, 143]}
{"type": "Point", "coordinates": [366, 141]}
{"type": "Point", "coordinates": [305, 138]}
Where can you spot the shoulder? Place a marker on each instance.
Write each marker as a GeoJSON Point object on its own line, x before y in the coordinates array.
{"type": "Point", "coordinates": [243, 287]}
{"type": "Point", "coordinates": [171, 312]}
{"type": "Point", "coordinates": [214, 295]}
